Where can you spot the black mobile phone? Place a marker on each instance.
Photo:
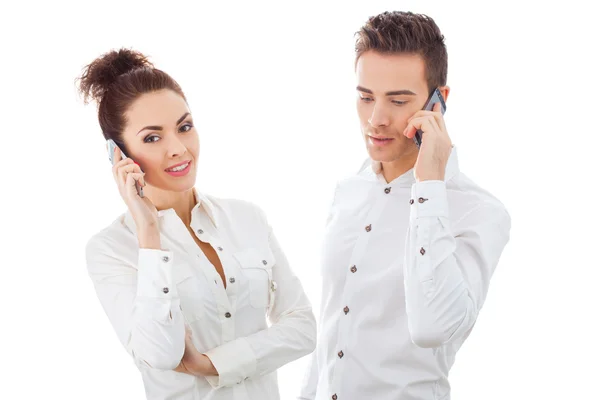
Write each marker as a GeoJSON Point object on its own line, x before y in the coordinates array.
{"type": "Point", "coordinates": [111, 156]}
{"type": "Point", "coordinates": [435, 97]}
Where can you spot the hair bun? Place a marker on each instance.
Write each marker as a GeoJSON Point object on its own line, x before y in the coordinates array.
{"type": "Point", "coordinates": [106, 69]}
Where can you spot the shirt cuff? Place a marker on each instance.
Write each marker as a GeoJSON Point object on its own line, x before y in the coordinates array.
{"type": "Point", "coordinates": [234, 361]}
{"type": "Point", "coordinates": [429, 199]}
{"type": "Point", "coordinates": [155, 274]}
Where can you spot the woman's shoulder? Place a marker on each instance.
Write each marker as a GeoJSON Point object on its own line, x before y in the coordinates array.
{"type": "Point", "coordinates": [114, 235]}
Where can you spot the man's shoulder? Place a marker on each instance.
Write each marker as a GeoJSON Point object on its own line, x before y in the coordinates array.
{"type": "Point", "coordinates": [465, 194]}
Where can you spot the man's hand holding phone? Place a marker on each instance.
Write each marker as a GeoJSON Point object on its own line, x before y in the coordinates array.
{"type": "Point", "coordinates": [436, 145]}
{"type": "Point", "coordinates": [127, 173]}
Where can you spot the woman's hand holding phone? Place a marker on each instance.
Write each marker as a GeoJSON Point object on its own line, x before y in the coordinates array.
{"type": "Point", "coordinates": [126, 172]}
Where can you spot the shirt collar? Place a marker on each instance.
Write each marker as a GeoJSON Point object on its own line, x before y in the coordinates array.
{"type": "Point", "coordinates": [203, 204]}
{"type": "Point", "coordinates": [373, 168]}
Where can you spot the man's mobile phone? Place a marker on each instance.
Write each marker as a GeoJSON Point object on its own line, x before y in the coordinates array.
{"type": "Point", "coordinates": [111, 156]}
{"type": "Point", "coordinates": [435, 97]}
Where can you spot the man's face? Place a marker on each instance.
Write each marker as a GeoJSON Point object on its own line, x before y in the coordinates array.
{"type": "Point", "coordinates": [391, 89]}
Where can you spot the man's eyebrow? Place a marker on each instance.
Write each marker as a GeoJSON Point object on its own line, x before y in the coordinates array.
{"type": "Point", "coordinates": [401, 92]}
{"type": "Point", "coordinates": [392, 93]}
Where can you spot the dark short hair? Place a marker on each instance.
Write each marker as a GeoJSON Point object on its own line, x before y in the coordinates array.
{"type": "Point", "coordinates": [406, 32]}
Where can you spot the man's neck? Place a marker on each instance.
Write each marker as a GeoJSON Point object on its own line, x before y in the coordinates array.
{"type": "Point", "coordinates": [393, 169]}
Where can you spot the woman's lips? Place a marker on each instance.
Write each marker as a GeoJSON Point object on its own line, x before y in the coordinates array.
{"type": "Point", "coordinates": [182, 172]}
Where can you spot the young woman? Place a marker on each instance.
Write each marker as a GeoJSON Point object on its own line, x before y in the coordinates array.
{"type": "Point", "coordinates": [187, 280]}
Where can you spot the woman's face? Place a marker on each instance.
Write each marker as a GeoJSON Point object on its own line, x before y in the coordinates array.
{"type": "Point", "coordinates": [160, 135]}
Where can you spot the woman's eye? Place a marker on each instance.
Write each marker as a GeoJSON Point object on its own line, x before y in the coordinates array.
{"type": "Point", "coordinates": [186, 127]}
{"type": "Point", "coordinates": [150, 139]}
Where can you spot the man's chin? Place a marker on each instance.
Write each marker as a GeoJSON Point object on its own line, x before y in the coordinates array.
{"type": "Point", "coordinates": [382, 156]}
{"type": "Point", "coordinates": [389, 155]}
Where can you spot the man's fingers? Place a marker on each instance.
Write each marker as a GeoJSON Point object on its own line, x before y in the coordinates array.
{"type": "Point", "coordinates": [426, 124]}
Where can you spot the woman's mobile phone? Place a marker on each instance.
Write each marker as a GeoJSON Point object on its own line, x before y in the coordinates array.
{"type": "Point", "coordinates": [435, 97]}
{"type": "Point", "coordinates": [111, 156]}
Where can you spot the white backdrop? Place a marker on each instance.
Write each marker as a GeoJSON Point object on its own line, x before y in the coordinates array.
{"type": "Point", "coordinates": [271, 87]}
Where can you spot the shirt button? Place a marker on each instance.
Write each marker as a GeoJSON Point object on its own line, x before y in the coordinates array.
{"type": "Point", "coordinates": [353, 269]}
{"type": "Point", "coordinates": [232, 280]}
{"type": "Point", "coordinates": [422, 251]}
{"type": "Point", "coordinates": [422, 200]}
{"type": "Point", "coordinates": [220, 248]}
{"type": "Point", "coordinates": [227, 315]}
{"type": "Point", "coordinates": [264, 262]}
{"type": "Point", "coordinates": [411, 201]}
{"type": "Point", "coordinates": [165, 259]}
{"type": "Point", "coordinates": [346, 310]}
{"type": "Point", "coordinates": [341, 354]}
{"type": "Point", "coordinates": [334, 397]}
{"type": "Point", "coordinates": [368, 228]}
{"type": "Point", "coordinates": [165, 290]}
{"type": "Point", "coordinates": [200, 231]}
{"type": "Point", "coordinates": [388, 190]}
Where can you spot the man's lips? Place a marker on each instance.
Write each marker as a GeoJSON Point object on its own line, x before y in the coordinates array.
{"type": "Point", "coordinates": [381, 137]}
{"type": "Point", "coordinates": [380, 140]}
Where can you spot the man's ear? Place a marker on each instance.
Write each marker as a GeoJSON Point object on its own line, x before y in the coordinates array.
{"type": "Point", "coordinates": [445, 91]}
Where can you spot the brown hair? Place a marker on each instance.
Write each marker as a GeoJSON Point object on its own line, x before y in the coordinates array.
{"type": "Point", "coordinates": [114, 81]}
{"type": "Point", "coordinates": [405, 32]}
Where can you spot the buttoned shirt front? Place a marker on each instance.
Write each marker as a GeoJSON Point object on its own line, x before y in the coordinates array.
{"type": "Point", "coordinates": [406, 267]}
{"type": "Point", "coordinates": [260, 321]}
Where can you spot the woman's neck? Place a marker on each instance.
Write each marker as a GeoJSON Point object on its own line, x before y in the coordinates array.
{"type": "Point", "coordinates": [181, 202]}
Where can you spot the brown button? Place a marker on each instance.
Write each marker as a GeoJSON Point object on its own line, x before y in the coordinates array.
{"type": "Point", "coordinates": [353, 269]}
{"type": "Point", "coordinates": [165, 290]}
{"type": "Point", "coordinates": [422, 251]}
{"type": "Point", "coordinates": [388, 190]}
{"type": "Point", "coordinates": [346, 310]}
{"type": "Point", "coordinates": [411, 201]}
{"type": "Point", "coordinates": [334, 397]}
{"type": "Point", "coordinates": [227, 315]}
{"type": "Point", "coordinates": [368, 228]}
{"type": "Point", "coordinates": [341, 354]}
{"type": "Point", "coordinates": [422, 200]}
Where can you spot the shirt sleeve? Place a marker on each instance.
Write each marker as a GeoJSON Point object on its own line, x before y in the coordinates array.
{"type": "Point", "coordinates": [447, 270]}
{"type": "Point", "coordinates": [308, 389]}
{"type": "Point", "coordinates": [142, 304]}
{"type": "Point", "coordinates": [292, 333]}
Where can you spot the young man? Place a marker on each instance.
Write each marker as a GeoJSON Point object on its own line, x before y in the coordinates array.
{"type": "Point", "coordinates": [411, 242]}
